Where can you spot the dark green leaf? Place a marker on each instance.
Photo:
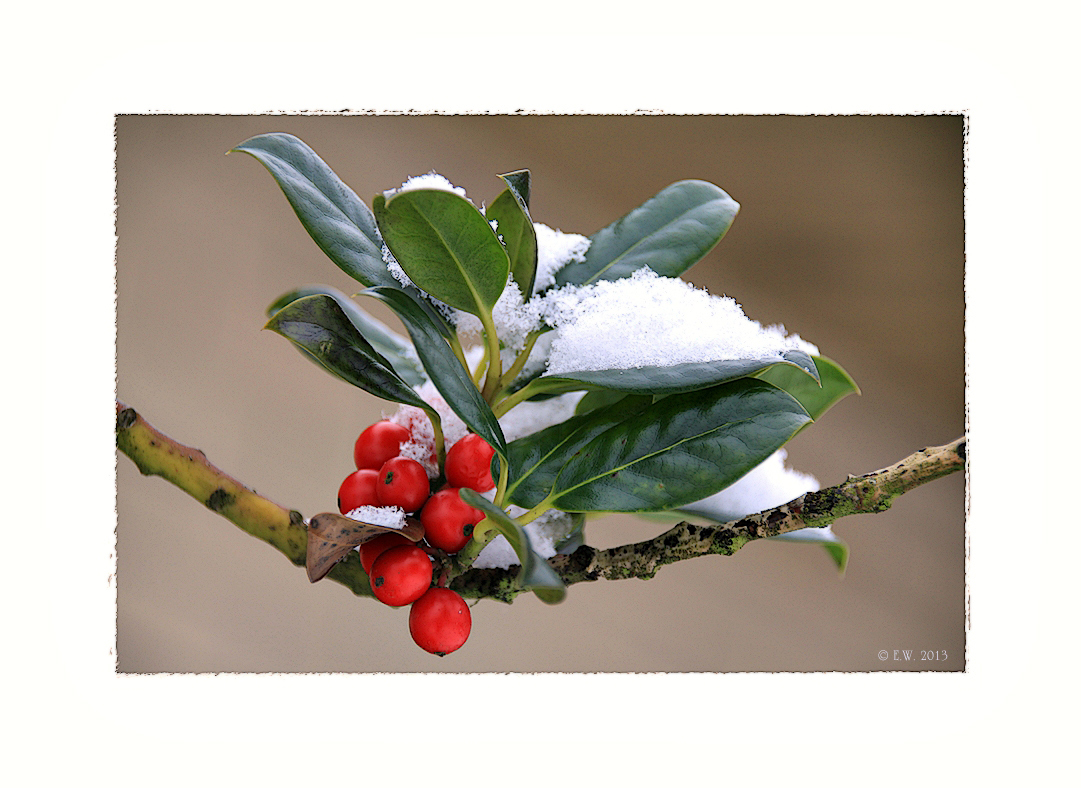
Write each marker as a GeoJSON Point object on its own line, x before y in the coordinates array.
{"type": "Point", "coordinates": [443, 367]}
{"type": "Point", "coordinates": [535, 460]}
{"type": "Point", "coordinates": [395, 348]}
{"type": "Point", "coordinates": [338, 221]}
{"type": "Point", "coordinates": [536, 574]}
{"type": "Point", "coordinates": [518, 181]}
{"type": "Point", "coordinates": [317, 324]}
{"type": "Point", "coordinates": [669, 233]}
{"type": "Point", "coordinates": [674, 378]}
{"type": "Point", "coordinates": [816, 399]}
{"type": "Point", "coordinates": [519, 237]}
{"type": "Point", "coordinates": [598, 398]}
{"type": "Point", "coordinates": [446, 246]}
{"type": "Point", "coordinates": [682, 448]}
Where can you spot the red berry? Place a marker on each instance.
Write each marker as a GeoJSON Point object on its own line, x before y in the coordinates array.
{"type": "Point", "coordinates": [357, 490]}
{"type": "Point", "coordinates": [374, 548]}
{"type": "Point", "coordinates": [401, 575]}
{"type": "Point", "coordinates": [440, 621]}
{"type": "Point", "coordinates": [379, 443]}
{"type": "Point", "coordinates": [402, 482]}
{"type": "Point", "coordinates": [448, 520]}
{"type": "Point", "coordinates": [469, 464]}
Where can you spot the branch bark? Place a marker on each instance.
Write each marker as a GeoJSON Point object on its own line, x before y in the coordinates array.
{"type": "Point", "coordinates": [154, 453]}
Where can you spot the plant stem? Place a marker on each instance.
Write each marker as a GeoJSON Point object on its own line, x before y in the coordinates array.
{"type": "Point", "coordinates": [501, 486]}
{"type": "Point", "coordinates": [520, 361]}
{"type": "Point", "coordinates": [156, 454]}
{"type": "Point", "coordinates": [535, 512]}
{"type": "Point", "coordinates": [500, 409]}
{"type": "Point", "coordinates": [478, 373]}
{"type": "Point", "coordinates": [437, 432]}
{"type": "Point", "coordinates": [495, 362]}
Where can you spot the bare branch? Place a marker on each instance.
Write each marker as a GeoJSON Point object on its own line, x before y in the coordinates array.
{"type": "Point", "coordinates": [156, 454]}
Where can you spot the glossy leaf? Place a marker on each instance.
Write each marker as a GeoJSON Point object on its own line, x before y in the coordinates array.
{"type": "Point", "coordinates": [680, 449]}
{"type": "Point", "coordinates": [536, 460]}
{"type": "Point", "coordinates": [336, 219]}
{"type": "Point", "coordinates": [443, 367]}
{"type": "Point", "coordinates": [675, 378]}
{"type": "Point", "coordinates": [516, 229]}
{"type": "Point", "coordinates": [317, 324]}
{"type": "Point", "coordinates": [536, 574]}
{"type": "Point", "coordinates": [391, 345]}
{"type": "Point", "coordinates": [596, 399]}
{"type": "Point", "coordinates": [669, 233]}
{"type": "Point", "coordinates": [816, 399]}
{"type": "Point", "coordinates": [518, 182]}
{"type": "Point", "coordinates": [446, 246]}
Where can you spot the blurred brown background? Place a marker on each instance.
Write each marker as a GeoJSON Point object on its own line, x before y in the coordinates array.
{"type": "Point", "coordinates": [851, 234]}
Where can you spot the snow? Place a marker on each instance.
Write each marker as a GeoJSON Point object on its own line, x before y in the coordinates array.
{"type": "Point", "coordinates": [421, 443]}
{"type": "Point", "coordinates": [769, 484]}
{"type": "Point", "coordinates": [673, 322]}
{"type": "Point", "coordinates": [513, 319]}
{"type": "Point", "coordinates": [556, 249]}
{"type": "Point", "coordinates": [430, 180]}
{"type": "Point", "coordinates": [545, 535]}
{"type": "Point", "coordinates": [529, 417]}
{"type": "Point", "coordinates": [386, 516]}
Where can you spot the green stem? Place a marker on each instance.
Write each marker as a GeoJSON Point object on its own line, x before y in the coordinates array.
{"type": "Point", "coordinates": [501, 487]}
{"type": "Point", "coordinates": [437, 431]}
{"type": "Point", "coordinates": [521, 395]}
{"type": "Point", "coordinates": [478, 373]}
{"type": "Point", "coordinates": [535, 512]}
{"type": "Point", "coordinates": [520, 362]}
{"type": "Point", "coordinates": [495, 363]}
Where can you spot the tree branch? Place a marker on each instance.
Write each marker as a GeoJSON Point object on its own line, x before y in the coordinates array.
{"type": "Point", "coordinates": [867, 494]}
{"type": "Point", "coordinates": [157, 454]}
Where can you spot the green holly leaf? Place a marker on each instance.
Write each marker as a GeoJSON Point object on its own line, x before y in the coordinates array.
{"type": "Point", "coordinates": [389, 344]}
{"type": "Point", "coordinates": [682, 448]}
{"type": "Point", "coordinates": [669, 233]}
{"type": "Point", "coordinates": [835, 384]}
{"type": "Point", "coordinates": [676, 378]}
{"type": "Point", "coordinates": [446, 246]}
{"type": "Point", "coordinates": [318, 325]}
{"type": "Point", "coordinates": [336, 219]}
{"type": "Point", "coordinates": [534, 461]}
{"type": "Point", "coordinates": [513, 223]}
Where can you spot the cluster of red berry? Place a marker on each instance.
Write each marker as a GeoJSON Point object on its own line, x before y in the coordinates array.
{"type": "Point", "coordinates": [399, 570]}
